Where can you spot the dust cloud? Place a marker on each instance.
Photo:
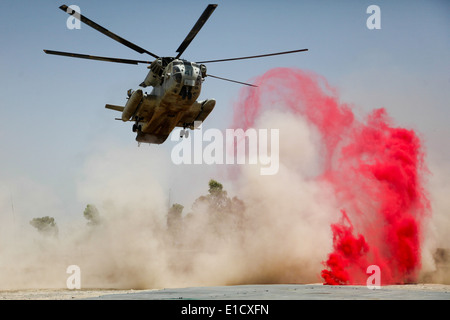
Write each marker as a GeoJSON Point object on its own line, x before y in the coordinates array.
{"type": "Point", "coordinates": [257, 229]}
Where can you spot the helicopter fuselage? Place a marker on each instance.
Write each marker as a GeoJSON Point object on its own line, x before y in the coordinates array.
{"type": "Point", "coordinates": [171, 103]}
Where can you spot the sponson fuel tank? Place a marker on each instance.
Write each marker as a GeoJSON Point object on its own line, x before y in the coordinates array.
{"type": "Point", "coordinates": [132, 104]}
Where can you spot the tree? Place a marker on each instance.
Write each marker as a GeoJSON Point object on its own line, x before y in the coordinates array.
{"type": "Point", "coordinates": [45, 225]}
{"type": "Point", "coordinates": [215, 187]}
{"type": "Point", "coordinates": [174, 216]}
{"type": "Point", "coordinates": [92, 214]}
{"type": "Point", "coordinates": [217, 199]}
{"type": "Point", "coordinates": [222, 210]}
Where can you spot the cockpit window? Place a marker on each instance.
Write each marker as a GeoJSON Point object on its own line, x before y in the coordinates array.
{"type": "Point", "coordinates": [188, 70]}
{"type": "Point", "coordinates": [176, 69]}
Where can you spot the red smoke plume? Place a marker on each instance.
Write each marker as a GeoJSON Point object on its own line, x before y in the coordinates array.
{"type": "Point", "coordinates": [374, 168]}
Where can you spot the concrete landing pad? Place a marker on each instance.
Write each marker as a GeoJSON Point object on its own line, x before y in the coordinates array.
{"type": "Point", "coordinates": [290, 292]}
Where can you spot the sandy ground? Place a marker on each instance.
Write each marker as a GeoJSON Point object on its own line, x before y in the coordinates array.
{"type": "Point", "coordinates": [58, 294]}
{"type": "Point", "coordinates": [256, 292]}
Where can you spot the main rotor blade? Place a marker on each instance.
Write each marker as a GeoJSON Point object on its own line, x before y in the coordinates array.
{"type": "Point", "coordinates": [85, 56]}
{"type": "Point", "coordinates": [106, 32]}
{"type": "Point", "coordinates": [252, 57]}
{"type": "Point", "coordinates": [244, 83]}
{"type": "Point", "coordinates": [198, 25]}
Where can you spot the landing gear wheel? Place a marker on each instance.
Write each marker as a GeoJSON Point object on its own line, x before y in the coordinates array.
{"type": "Point", "coordinates": [182, 133]}
{"type": "Point", "coordinates": [137, 127]}
{"type": "Point", "coordinates": [186, 134]}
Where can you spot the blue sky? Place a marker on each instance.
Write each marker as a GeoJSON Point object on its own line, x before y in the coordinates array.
{"type": "Point", "coordinates": [54, 120]}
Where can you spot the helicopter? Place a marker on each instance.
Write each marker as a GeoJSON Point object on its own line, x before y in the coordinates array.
{"type": "Point", "coordinates": [176, 85]}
